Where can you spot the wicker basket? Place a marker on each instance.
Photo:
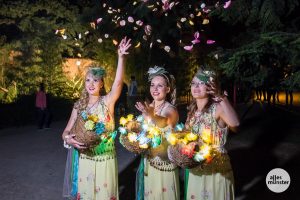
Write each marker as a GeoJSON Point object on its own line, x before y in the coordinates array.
{"type": "Point", "coordinates": [131, 146]}
{"type": "Point", "coordinates": [88, 138]}
{"type": "Point", "coordinates": [179, 159]}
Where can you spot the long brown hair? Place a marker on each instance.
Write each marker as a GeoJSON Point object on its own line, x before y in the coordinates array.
{"type": "Point", "coordinates": [192, 108]}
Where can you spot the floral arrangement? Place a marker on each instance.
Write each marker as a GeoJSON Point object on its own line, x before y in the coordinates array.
{"type": "Point", "coordinates": [140, 133]}
{"type": "Point", "coordinates": [189, 149]}
{"type": "Point", "coordinates": [92, 132]}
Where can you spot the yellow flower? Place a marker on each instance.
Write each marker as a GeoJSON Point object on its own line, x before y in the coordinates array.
{"type": "Point", "coordinates": [132, 137]}
{"type": "Point", "coordinates": [89, 125]}
{"type": "Point", "coordinates": [93, 118]}
{"type": "Point", "coordinates": [144, 146]}
{"type": "Point", "coordinates": [123, 121]}
{"type": "Point", "coordinates": [130, 117]}
{"type": "Point", "coordinates": [191, 137]}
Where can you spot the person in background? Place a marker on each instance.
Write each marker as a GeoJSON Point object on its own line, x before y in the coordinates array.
{"type": "Point", "coordinates": [43, 114]}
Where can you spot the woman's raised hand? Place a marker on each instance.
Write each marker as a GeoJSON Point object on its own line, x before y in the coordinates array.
{"type": "Point", "coordinates": [124, 46]}
{"type": "Point", "coordinates": [145, 108]}
{"type": "Point", "coordinates": [212, 89]}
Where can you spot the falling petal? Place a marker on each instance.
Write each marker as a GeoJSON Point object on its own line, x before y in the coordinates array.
{"type": "Point", "coordinates": [203, 5]}
{"type": "Point", "coordinates": [99, 20]}
{"type": "Point", "coordinates": [100, 40]}
{"type": "Point", "coordinates": [167, 49]}
{"type": "Point", "coordinates": [138, 45]}
{"type": "Point", "coordinates": [79, 36]}
{"type": "Point", "coordinates": [150, 6]}
{"type": "Point", "coordinates": [188, 48]}
{"type": "Point", "coordinates": [139, 23]}
{"type": "Point", "coordinates": [135, 28]}
{"type": "Point", "coordinates": [171, 5]}
{"type": "Point", "coordinates": [191, 22]}
{"type": "Point", "coordinates": [115, 42]}
{"type": "Point", "coordinates": [104, 5]}
{"type": "Point", "coordinates": [206, 10]}
{"type": "Point", "coordinates": [155, 9]}
{"type": "Point", "coordinates": [110, 11]}
{"type": "Point", "coordinates": [76, 44]}
{"type": "Point", "coordinates": [106, 35]}
{"type": "Point", "coordinates": [199, 14]}
{"type": "Point", "coordinates": [64, 37]}
{"type": "Point", "coordinates": [192, 16]}
{"type": "Point", "coordinates": [196, 41]}
{"type": "Point", "coordinates": [145, 37]}
{"type": "Point", "coordinates": [148, 29]}
{"type": "Point", "coordinates": [130, 19]}
{"type": "Point", "coordinates": [216, 56]}
{"type": "Point", "coordinates": [178, 25]}
{"type": "Point", "coordinates": [166, 14]}
{"type": "Point", "coordinates": [78, 62]}
{"type": "Point", "coordinates": [87, 32]}
{"type": "Point", "coordinates": [93, 25]}
{"type": "Point", "coordinates": [180, 41]}
{"type": "Point", "coordinates": [227, 4]}
{"type": "Point", "coordinates": [122, 23]}
{"type": "Point", "coordinates": [56, 32]}
{"type": "Point", "coordinates": [196, 35]}
{"type": "Point", "coordinates": [210, 42]}
{"type": "Point", "coordinates": [183, 19]}
{"type": "Point", "coordinates": [79, 55]}
{"type": "Point", "coordinates": [151, 44]}
{"type": "Point", "coordinates": [205, 21]}
{"type": "Point", "coordinates": [158, 40]}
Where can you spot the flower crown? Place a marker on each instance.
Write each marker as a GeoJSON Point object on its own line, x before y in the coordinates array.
{"type": "Point", "coordinates": [205, 75]}
{"type": "Point", "coordinates": [98, 72]}
{"type": "Point", "coordinates": [156, 71]}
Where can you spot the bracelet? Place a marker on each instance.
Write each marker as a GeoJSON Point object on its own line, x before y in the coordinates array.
{"type": "Point", "coordinates": [67, 146]}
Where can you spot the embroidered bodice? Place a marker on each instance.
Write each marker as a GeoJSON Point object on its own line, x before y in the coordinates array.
{"type": "Point", "coordinates": [103, 114]}
{"type": "Point", "coordinates": [205, 124]}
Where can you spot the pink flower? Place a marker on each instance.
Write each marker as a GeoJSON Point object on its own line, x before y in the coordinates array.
{"type": "Point", "coordinates": [130, 19]}
{"type": "Point", "coordinates": [164, 189]}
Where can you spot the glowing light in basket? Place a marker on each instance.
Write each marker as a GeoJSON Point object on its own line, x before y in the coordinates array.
{"type": "Point", "coordinates": [140, 130]}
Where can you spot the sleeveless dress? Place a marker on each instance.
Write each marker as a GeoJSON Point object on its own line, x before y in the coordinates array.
{"type": "Point", "coordinates": [161, 177]}
{"type": "Point", "coordinates": [214, 181]}
{"type": "Point", "coordinates": [97, 173]}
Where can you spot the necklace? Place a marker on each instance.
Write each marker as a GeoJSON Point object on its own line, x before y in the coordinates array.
{"type": "Point", "coordinates": [159, 108]}
{"type": "Point", "coordinates": [89, 108]}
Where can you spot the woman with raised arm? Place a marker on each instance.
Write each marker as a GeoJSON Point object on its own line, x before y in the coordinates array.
{"type": "Point", "coordinates": [210, 113]}
{"type": "Point", "coordinates": [157, 177]}
{"type": "Point", "coordinates": [91, 172]}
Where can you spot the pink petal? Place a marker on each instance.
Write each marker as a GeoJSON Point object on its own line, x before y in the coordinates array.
{"type": "Point", "coordinates": [99, 20]}
{"type": "Point", "coordinates": [196, 35]}
{"type": "Point", "coordinates": [188, 48]}
{"type": "Point", "coordinates": [227, 4]}
{"type": "Point", "coordinates": [122, 23]}
{"type": "Point", "coordinates": [130, 19]}
{"type": "Point", "coordinates": [196, 41]}
{"type": "Point", "coordinates": [210, 42]}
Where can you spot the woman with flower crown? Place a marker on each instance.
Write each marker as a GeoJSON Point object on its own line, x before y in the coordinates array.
{"type": "Point", "coordinates": [210, 115]}
{"type": "Point", "coordinates": [157, 177]}
{"type": "Point", "coordinates": [92, 173]}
